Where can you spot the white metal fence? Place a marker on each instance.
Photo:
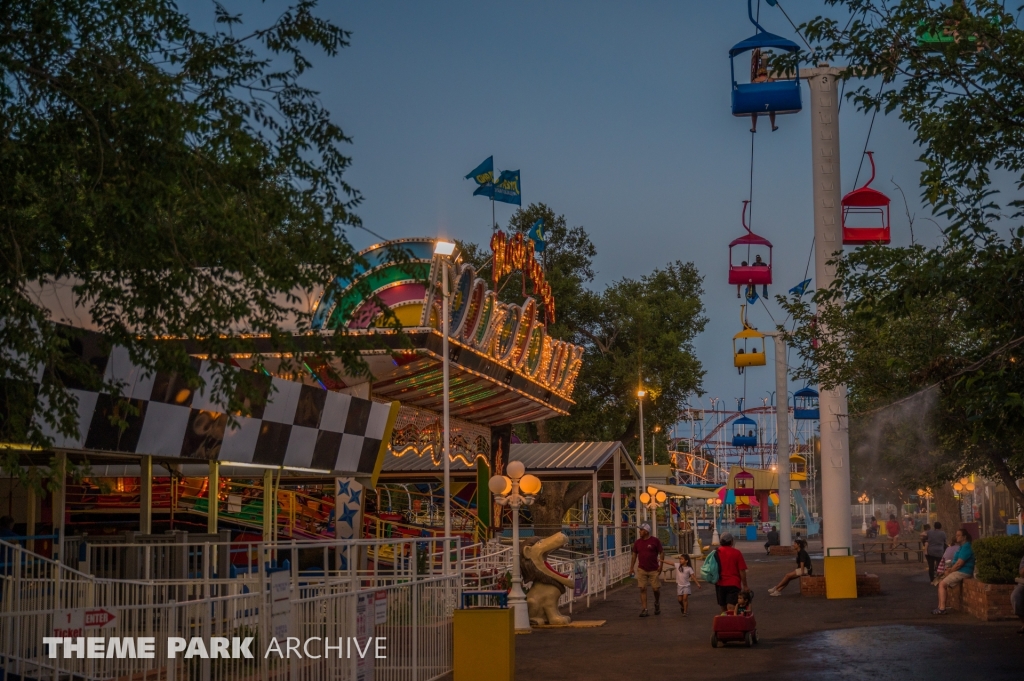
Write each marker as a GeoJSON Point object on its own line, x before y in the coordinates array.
{"type": "Point", "coordinates": [391, 591]}
{"type": "Point", "coordinates": [394, 591]}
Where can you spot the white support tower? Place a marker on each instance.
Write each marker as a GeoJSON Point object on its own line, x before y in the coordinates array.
{"type": "Point", "coordinates": [837, 531]}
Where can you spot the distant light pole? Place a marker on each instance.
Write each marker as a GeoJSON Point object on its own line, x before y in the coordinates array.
{"type": "Point", "coordinates": [652, 499]}
{"type": "Point", "coordinates": [716, 505]}
{"type": "Point", "coordinates": [507, 492]}
{"type": "Point", "coordinates": [444, 250]}
{"type": "Point", "coordinates": [864, 499]}
{"type": "Point", "coordinates": [643, 466]}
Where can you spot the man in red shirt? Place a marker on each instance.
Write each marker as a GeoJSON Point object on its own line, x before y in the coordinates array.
{"type": "Point", "coordinates": [651, 555]}
{"type": "Point", "coordinates": [732, 573]}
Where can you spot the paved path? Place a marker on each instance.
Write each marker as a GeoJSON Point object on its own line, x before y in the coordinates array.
{"type": "Point", "coordinates": [892, 636]}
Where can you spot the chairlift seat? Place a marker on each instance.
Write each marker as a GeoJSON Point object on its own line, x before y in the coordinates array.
{"type": "Point", "coordinates": [740, 275]}
{"type": "Point", "coordinates": [780, 96]}
{"type": "Point", "coordinates": [740, 428]}
{"type": "Point", "coordinates": [748, 358]}
{"type": "Point", "coordinates": [866, 201]}
{"type": "Point", "coordinates": [805, 404]}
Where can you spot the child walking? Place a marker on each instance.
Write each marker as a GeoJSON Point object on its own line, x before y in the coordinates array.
{"type": "Point", "coordinates": [684, 575]}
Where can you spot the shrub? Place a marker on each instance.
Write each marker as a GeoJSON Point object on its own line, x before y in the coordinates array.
{"type": "Point", "coordinates": [998, 558]}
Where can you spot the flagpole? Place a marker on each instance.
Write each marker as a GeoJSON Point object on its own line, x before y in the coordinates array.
{"type": "Point", "coordinates": [494, 224]}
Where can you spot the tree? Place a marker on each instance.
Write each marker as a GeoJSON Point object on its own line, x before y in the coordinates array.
{"type": "Point", "coordinates": [928, 339]}
{"type": "Point", "coordinates": [185, 182]}
{"type": "Point", "coordinates": [634, 327]}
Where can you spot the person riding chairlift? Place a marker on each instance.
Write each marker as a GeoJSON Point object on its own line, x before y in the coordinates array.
{"type": "Point", "coordinates": [759, 74]}
{"type": "Point", "coordinates": [761, 263]}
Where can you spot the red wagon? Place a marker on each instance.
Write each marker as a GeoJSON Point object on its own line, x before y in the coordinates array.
{"type": "Point", "coordinates": [734, 628]}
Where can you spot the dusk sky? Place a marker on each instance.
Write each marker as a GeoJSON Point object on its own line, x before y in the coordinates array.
{"type": "Point", "coordinates": [618, 116]}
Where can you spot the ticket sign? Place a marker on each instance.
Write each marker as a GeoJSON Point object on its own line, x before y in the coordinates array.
{"type": "Point", "coordinates": [71, 623]}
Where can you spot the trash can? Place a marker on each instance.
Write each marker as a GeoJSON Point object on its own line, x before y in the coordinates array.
{"type": "Point", "coordinates": [485, 638]}
{"type": "Point", "coordinates": [751, 532]}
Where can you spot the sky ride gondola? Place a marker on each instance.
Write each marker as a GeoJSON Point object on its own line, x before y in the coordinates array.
{"type": "Point", "coordinates": [747, 346]}
{"type": "Point", "coordinates": [766, 93]}
{"type": "Point", "coordinates": [866, 205]}
{"type": "Point", "coordinates": [744, 432]}
{"type": "Point", "coordinates": [797, 468]}
{"type": "Point", "coordinates": [753, 270]}
{"type": "Point", "coordinates": [805, 404]}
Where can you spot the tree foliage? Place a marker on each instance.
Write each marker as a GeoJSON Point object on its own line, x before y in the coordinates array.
{"type": "Point", "coordinates": [185, 181]}
{"type": "Point", "coordinates": [929, 340]}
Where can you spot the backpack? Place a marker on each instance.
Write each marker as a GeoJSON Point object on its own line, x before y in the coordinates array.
{"type": "Point", "coordinates": [709, 570]}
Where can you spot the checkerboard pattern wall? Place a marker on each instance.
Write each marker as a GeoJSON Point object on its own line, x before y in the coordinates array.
{"type": "Point", "coordinates": [296, 425]}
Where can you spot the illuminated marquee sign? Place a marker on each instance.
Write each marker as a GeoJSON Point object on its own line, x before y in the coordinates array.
{"type": "Point", "coordinates": [516, 253]}
{"type": "Point", "coordinates": [513, 335]}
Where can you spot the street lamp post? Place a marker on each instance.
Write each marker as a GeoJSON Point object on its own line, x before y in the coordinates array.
{"type": "Point", "coordinates": [643, 469]}
{"type": "Point", "coordinates": [864, 499]}
{"type": "Point", "coordinates": [516, 490]}
{"type": "Point", "coordinates": [651, 500]}
{"type": "Point", "coordinates": [444, 250]}
{"type": "Point", "coordinates": [716, 506]}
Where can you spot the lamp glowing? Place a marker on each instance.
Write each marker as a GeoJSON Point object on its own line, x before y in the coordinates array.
{"type": "Point", "coordinates": [645, 498]}
{"type": "Point", "coordinates": [957, 486]}
{"type": "Point", "coordinates": [660, 497]}
{"type": "Point", "coordinates": [711, 502]}
{"type": "Point", "coordinates": [530, 484]}
{"type": "Point", "coordinates": [970, 486]}
{"type": "Point", "coordinates": [641, 393]}
{"type": "Point", "coordinates": [444, 248]}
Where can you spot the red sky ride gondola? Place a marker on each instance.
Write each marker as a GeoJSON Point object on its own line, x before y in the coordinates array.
{"type": "Point", "coordinates": [753, 269]}
{"type": "Point", "coordinates": [866, 214]}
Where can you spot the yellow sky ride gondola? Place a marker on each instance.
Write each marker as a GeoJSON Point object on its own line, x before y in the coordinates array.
{"type": "Point", "coordinates": [797, 468]}
{"type": "Point", "coordinates": [747, 346]}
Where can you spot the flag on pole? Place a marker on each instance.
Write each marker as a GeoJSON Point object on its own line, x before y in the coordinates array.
{"type": "Point", "coordinates": [536, 233]}
{"type": "Point", "coordinates": [483, 175]}
{"type": "Point", "coordinates": [507, 188]}
{"type": "Point", "coordinates": [800, 288]}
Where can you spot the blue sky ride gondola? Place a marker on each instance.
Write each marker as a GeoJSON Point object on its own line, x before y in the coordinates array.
{"type": "Point", "coordinates": [767, 93]}
{"type": "Point", "coordinates": [805, 404]}
{"type": "Point", "coordinates": [744, 432]}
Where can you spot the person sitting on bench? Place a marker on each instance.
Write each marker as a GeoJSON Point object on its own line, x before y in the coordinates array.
{"type": "Point", "coordinates": [773, 540]}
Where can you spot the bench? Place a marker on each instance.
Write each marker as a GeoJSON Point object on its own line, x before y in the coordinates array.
{"type": "Point", "coordinates": [884, 548]}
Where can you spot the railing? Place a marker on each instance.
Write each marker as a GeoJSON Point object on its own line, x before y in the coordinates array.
{"type": "Point", "coordinates": [414, 636]}
{"type": "Point", "coordinates": [325, 602]}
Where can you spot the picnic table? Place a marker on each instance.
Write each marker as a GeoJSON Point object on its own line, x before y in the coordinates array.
{"type": "Point", "coordinates": [887, 546]}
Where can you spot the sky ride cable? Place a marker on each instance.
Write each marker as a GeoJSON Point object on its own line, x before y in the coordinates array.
{"type": "Point", "coordinates": [797, 30]}
{"type": "Point", "coordinates": [870, 128]}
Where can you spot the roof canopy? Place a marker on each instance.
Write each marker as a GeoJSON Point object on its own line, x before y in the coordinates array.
{"type": "Point", "coordinates": [750, 239]}
{"type": "Point", "coordinates": [684, 491]}
{"type": "Point", "coordinates": [764, 40]}
{"type": "Point", "coordinates": [567, 460]}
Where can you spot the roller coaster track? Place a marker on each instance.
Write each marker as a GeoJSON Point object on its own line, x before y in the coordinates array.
{"type": "Point", "coordinates": [732, 416]}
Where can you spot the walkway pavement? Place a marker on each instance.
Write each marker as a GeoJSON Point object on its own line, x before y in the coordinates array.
{"type": "Point", "coordinates": [892, 636]}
